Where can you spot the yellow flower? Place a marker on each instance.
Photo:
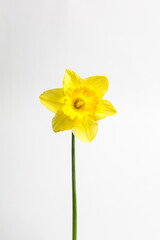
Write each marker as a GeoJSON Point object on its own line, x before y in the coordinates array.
{"type": "Point", "coordinates": [78, 105]}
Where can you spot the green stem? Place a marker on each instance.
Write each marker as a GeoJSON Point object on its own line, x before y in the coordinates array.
{"type": "Point", "coordinates": [74, 202]}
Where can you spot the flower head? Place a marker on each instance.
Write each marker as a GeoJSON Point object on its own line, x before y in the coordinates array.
{"type": "Point", "coordinates": [78, 105]}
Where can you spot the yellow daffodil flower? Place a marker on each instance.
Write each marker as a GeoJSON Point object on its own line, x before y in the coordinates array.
{"type": "Point", "coordinates": [78, 105]}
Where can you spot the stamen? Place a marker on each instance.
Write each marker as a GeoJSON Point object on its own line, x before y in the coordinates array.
{"type": "Point", "coordinates": [78, 103]}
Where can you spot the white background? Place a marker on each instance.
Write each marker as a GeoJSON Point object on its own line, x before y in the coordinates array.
{"type": "Point", "coordinates": [118, 174]}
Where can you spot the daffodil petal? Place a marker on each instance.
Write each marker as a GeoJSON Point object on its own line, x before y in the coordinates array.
{"type": "Point", "coordinates": [86, 130]}
{"type": "Point", "coordinates": [71, 80]}
{"type": "Point", "coordinates": [97, 83]}
{"type": "Point", "coordinates": [53, 99]}
{"type": "Point", "coordinates": [61, 122]}
{"type": "Point", "coordinates": [104, 108]}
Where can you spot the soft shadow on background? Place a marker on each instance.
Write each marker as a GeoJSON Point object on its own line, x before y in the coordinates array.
{"type": "Point", "coordinates": [118, 174]}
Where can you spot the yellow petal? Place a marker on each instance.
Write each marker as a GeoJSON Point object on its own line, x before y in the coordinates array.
{"type": "Point", "coordinates": [53, 99]}
{"type": "Point", "coordinates": [97, 83]}
{"type": "Point", "coordinates": [71, 80]}
{"type": "Point", "coordinates": [61, 122]}
{"type": "Point", "coordinates": [104, 108]}
{"type": "Point", "coordinates": [86, 130]}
